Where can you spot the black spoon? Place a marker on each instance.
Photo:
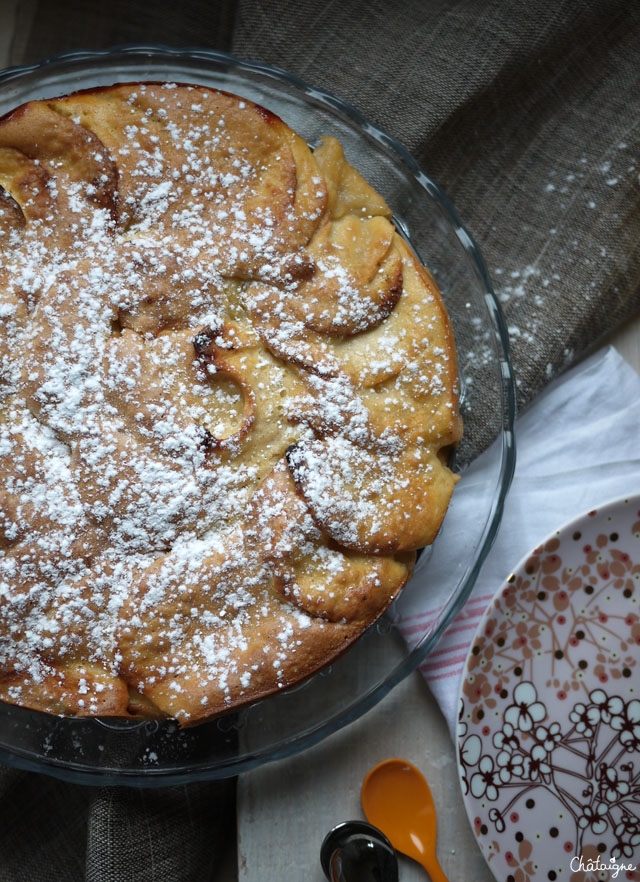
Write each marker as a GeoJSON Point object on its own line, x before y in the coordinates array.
{"type": "Point", "coordinates": [355, 851]}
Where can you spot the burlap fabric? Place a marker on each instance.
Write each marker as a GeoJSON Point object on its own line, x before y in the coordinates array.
{"type": "Point", "coordinates": [528, 115]}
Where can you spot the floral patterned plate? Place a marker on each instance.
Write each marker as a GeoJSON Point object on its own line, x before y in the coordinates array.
{"type": "Point", "coordinates": [549, 722]}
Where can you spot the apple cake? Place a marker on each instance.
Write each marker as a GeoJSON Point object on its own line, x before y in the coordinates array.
{"type": "Point", "coordinates": [227, 389]}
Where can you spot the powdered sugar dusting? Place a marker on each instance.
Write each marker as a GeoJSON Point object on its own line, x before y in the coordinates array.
{"type": "Point", "coordinates": [179, 307]}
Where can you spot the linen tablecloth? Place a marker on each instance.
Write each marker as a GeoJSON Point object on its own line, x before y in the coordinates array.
{"type": "Point", "coordinates": [528, 115]}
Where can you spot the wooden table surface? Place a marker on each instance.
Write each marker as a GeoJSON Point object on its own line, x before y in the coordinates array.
{"type": "Point", "coordinates": [285, 808]}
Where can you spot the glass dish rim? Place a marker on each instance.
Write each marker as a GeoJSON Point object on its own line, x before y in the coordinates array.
{"type": "Point", "coordinates": [302, 740]}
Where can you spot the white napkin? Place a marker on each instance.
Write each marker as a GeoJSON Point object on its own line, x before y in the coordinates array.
{"type": "Point", "coordinates": [578, 446]}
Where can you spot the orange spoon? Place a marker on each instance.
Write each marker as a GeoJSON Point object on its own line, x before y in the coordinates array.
{"type": "Point", "coordinates": [396, 799]}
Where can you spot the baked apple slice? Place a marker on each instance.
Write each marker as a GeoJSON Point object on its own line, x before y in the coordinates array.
{"type": "Point", "coordinates": [373, 501]}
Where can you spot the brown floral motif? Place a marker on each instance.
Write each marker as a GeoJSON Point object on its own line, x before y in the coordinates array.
{"type": "Point", "coordinates": [482, 657]}
{"type": "Point", "coordinates": [527, 639]}
{"type": "Point", "coordinates": [477, 687]}
{"type": "Point", "coordinates": [523, 869]}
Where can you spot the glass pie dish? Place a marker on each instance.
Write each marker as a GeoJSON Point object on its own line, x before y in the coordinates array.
{"type": "Point", "coordinates": [148, 753]}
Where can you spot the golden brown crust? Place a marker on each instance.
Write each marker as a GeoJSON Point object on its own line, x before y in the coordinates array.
{"type": "Point", "coordinates": [226, 385]}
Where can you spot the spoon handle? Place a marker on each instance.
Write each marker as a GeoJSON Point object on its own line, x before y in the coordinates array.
{"type": "Point", "coordinates": [434, 869]}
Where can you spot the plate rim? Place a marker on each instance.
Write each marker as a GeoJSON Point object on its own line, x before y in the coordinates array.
{"type": "Point", "coordinates": [568, 525]}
